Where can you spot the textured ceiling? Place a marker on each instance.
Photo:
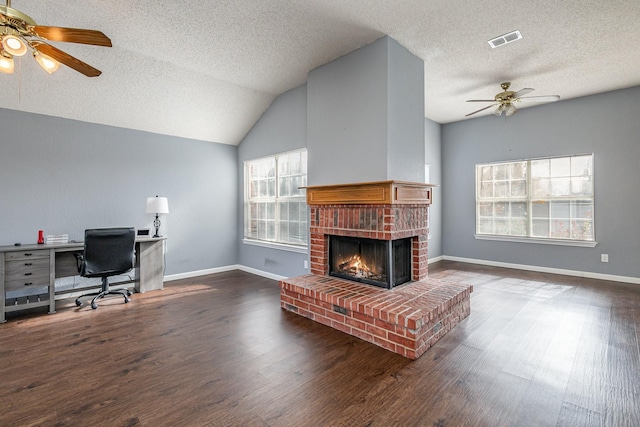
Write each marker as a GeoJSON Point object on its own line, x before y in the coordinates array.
{"type": "Point", "coordinates": [207, 70]}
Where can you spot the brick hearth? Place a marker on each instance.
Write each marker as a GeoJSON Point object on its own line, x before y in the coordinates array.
{"type": "Point", "coordinates": [407, 319]}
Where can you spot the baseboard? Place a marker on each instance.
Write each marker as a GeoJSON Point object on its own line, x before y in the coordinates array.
{"type": "Point", "coordinates": [586, 274]}
{"type": "Point", "coordinates": [436, 259]}
{"type": "Point", "coordinates": [197, 273]}
{"type": "Point", "coordinates": [261, 273]}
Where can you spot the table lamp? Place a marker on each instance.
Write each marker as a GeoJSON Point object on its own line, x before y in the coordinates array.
{"type": "Point", "coordinates": [157, 205]}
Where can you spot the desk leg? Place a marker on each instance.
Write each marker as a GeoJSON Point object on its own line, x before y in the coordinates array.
{"type": "Point", "coordinates": [149, 266]}
{"type": "Point", "coordinates": [2, 318]}
{"type": "Point", "coordinates": [52, 281]}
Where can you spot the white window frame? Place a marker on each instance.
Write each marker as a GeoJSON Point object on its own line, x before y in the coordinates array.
{"type": "Point", "coordinates": [529, 199]}
{"type": "Point", "coordinates": [302, 221]}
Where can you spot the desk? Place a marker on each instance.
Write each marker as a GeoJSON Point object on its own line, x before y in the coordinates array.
{"type": "Point", "coordinates": [37, 267]}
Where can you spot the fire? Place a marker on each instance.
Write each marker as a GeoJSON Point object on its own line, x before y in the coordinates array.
{"type": "Point", "coordinates": [356, 267]}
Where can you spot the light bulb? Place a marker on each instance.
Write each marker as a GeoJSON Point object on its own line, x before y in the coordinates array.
{"type": "Point", "coordinates": [14, 45]}
{"type": "Point", "coordinates": [47, 63]}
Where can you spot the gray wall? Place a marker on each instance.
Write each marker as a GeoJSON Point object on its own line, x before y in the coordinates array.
{"type": "Point", "coordinates": [347, 118]}
{"type": "Point", "coordinates": [406, 131]}
{"type": "Point", "coordinates": [433, 157]}
{"type": "Point", "coordinates": [63, 176]}
{"type": "Point", "coordinates": [607, 125]}
{"type": "Point", "coordinates": [281, 128]}
{"type": "Point", "coordinates": [365, 116]}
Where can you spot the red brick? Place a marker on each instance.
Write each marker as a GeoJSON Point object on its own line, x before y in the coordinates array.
{"type": "Point", "coordinates": [401, 340]}
{"type": "Point", "coordinates": [355, 323]}
{"type": "Point", "coordinates": [319, 310]}
{"type": "Point", "coordinates": [324, 320]}
{"type": "Point", "coordinates": [376, 331]}
{"type": "Point", "coordinates": [363, 317]}
{"type": "Point", "coordinates": [341, 327]}
{"type": "Point", "coordinates": [362, 335]}
{"type": "Point", "coordinates": [306, 313]}
{"type": "Point", "coordinates": [384, 344]}
{"type": "Point", "coordinates": [384, 325]}
{"type": "Point", "coordinates": [336, 316]}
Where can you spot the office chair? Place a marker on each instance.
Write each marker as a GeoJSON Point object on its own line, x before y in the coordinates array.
{"type": "Point", "coordinates": [107, 252]}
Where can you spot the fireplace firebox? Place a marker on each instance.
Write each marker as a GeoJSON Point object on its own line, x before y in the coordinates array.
{"type": "Point", "coordinates": [383, 263]}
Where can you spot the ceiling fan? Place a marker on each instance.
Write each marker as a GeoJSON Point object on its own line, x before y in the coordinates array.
{"type": "Point", "coordinates": [507, 99]}
{"type": "Point", "coordinates": [19, 33]}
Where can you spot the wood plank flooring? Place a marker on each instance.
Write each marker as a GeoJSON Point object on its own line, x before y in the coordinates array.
{"type": "Point", "coordinates": [217, 350]}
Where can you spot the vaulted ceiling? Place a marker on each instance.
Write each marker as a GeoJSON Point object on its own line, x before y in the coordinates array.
{"type": "Point", "coordinates": [207, 70]}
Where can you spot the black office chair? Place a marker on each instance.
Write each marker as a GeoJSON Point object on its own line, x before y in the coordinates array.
{"type": "Point", "coordinates": [107, 252]}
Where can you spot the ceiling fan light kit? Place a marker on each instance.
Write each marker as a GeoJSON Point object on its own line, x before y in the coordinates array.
{"type": "Point", "coordinates": [19, 33]}
{"type": "Point", "coordinates": [506, 100]}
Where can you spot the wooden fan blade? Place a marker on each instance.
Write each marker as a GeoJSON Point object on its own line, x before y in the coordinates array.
{"type": "Point", "coordinates": [72, 35]}
{"type": "Point", "coordinates": [482, 109]}
{"type": "Point", "coordinates": [481, 100]}
{"type": "Point", "coordinates": [546, 98]}
{"type": "Point", "coordinates": [521, 92]}
{"type": "Point", "coordinates": [66, 59]}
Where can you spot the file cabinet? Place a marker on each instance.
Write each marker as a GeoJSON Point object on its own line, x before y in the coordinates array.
{"type": "Point", "coordinates": [29, 271]}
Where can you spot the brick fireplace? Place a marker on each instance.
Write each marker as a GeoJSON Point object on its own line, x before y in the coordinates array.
{"type": "Point", "coordinates": [406, 319]}
{"type": "Point", "coordinates": [388, 210]}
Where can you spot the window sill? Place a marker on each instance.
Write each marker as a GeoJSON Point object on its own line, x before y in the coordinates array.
{"type": "Point", "coordinates": [558, 242]}
{"type": "Point", "coordinates": [274, 245]}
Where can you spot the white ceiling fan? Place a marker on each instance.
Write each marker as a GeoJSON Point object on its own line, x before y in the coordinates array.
{"type": "Point", "coordinates": [506, 100]}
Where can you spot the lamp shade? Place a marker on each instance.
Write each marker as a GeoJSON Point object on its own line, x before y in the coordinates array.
{"type": "Point", "coordinates": [6, 64]}
{"type": "Point", "coordinates": [157, 205]}
{"type": "Point", "coordinates": [14, 45]}
{"type": "Point", "coordinates": [47, 63]}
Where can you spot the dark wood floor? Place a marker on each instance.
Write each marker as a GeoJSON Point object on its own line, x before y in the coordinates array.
{"type": "Point", "coordinates": [537, 350]}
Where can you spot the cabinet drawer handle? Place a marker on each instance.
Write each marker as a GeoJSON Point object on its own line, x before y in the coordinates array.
{"type": "Point", "coordinates": [28, 284]}
{"type": "Point", "coordinates": [28, 254]}
{"type": "Point", "coordinates": [28, 274]}
{"type": "Point", "coordinates": [28, 263]}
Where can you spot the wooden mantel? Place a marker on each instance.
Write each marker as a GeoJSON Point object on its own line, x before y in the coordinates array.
{"type": "Point", "coordinates": [377, 193]}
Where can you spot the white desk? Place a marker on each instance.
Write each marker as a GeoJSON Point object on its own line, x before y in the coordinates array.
{"type": "Point", "coordinates": [38, 266]}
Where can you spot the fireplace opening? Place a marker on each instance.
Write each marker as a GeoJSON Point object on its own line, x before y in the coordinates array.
{"type": "Point", "coordinates": [384, 263]}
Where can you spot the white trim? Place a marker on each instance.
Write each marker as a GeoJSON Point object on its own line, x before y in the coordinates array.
{"type": "Point", "coordinates": [274, 245]}
{"type": "Point", "coordinates": [436, 259]}
{"type": "Point", "coordinates": [559, 242]}
{"type": "Point", "coordinates": [586, 274]}
{"type": "Point", "coordinates": [190, 274]}
{"type": "Point", "coordinates": [198, 273]}
{"type": "Point", "coordinates": [261, 273]}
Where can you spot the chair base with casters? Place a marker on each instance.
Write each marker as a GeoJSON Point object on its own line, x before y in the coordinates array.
{"type": "Point", "coordinates": [126, 293]}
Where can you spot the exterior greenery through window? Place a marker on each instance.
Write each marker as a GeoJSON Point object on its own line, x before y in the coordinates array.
{"type": "Point", "coordinates": [549, 198]}
{"type": "Point", "coordinates": [275, 206]}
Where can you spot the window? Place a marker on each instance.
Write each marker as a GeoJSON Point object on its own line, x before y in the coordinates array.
{"type": "Point", "coordinates": [539, 199]}
{"type": "Point", "coordinates": [275, 206]}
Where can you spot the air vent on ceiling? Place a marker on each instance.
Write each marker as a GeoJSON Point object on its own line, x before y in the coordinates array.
{"type": "Point", "coordinates": [505, 38]}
